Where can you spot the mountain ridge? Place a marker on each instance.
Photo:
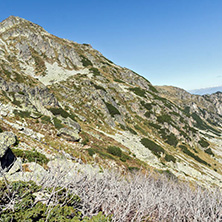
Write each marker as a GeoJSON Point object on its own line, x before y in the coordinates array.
{"type": "Point", "coordinates": [208, 90]}
{"type": "Point", "coordinates": [68, 95]}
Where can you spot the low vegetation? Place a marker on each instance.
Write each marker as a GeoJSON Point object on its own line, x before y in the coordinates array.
{"type": "Point", "coordinates": [153, 147]}
{"type": "Point", "coordinates": [57, 123]}
{"type": "Point", "coordinates": [203, 143]}
{"type": "Point", "coordinates": [164, 118]}
{"type": "Point", "coordinates": [112, 109]}
{"type": "Point", "coordinates": [118, 80]}
{"type": "Point", "coordinates": [60, 111]}
{"type": "Point", "coordinates": [116, 151]}
{"type": "Point", "coordinates": [85, 62]}
{"type": "Point", "coordinates": [108, 197]}
{"type": "Point", "coordinates": [22, 114]}
{"type": "Point", "coordinates": [169, 158]}
{"type": "Point", "coordinates": [209, 151]}
{"type": "Point", "coordinates": [59, 205]}
{"type": "Point", "coordinates": [138, 91]}
{"type": "Point", "coordinates": [31, 156]}
{"type": "Point", "coordinates": [95, 71]}
{"type": "Point", "coordinates": [189, 153]}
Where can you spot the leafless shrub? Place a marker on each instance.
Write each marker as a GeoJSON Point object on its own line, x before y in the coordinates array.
{"type": "Point", "coordinates": [136, 197]}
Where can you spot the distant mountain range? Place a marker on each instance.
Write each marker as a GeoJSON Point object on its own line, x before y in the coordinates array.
{"type": "Point", "coordinates": [204, 91]}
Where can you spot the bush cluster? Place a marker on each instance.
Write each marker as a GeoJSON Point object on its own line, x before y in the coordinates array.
{"type": "Point", "coordinates": [64, 206]}
{"type": "Point", "coordinates": [164, 118]}
{"type": "Point", "coordinates": [171, 139]}
{"type": "Point", "coordinates": [118, 80]}
{"type": "Point", "coordinates": [114, 150]}
{"type": "Point", "coordinates": [138, 91]}
{"type": "Point", "coordinates": [22, 114]}
{"type": "Point", "coordinates": [152, 146]}
{"type": "Point", "coordinates": [46, 119]}
{"type": "Point", "coordinates": [147, 106]}
{"type": "Point", "coordinates": [60, 111]}
{"type": "Point", "coordinates": [57, 123]}
{"type": "Point", "coordinates": [209, 151]}
{"type": "Point", "coordinates": [31, 156]}
{"type": "Point", "coordinates": [112, 110]}
{"type": "Point", "coordinates": [99, 87]}
{"type": "Point", "coordinates": [95, 71]}
{"type": "Point", "coordinates": [203, 143]}
{"type": "Point", "coordinates": [169, 158]}
{"type": "Point", "coordinates": [131, 130]}
{"type": "Point", "coordinates": [85, 62]}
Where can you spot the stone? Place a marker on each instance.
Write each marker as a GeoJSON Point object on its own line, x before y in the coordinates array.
{"type": "Point", "coordinates": [17, 165]}
{"type": "Point", "coordinates": [71, 123]}
{"type": "Point", "coordinates": [6, 140]}
{"type": "Point", "coordinates": [69, 134]}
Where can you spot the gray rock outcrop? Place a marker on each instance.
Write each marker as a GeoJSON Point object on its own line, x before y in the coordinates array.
{"type": "Point", "coordinates": [69, 134]}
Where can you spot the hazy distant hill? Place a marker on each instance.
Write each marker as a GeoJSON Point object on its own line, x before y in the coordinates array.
{"type": "Point", "coordinates": [204, 91]}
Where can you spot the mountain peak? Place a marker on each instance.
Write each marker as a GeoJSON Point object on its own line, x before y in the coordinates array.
{"type": "Point", "coordinates": [13, 21]}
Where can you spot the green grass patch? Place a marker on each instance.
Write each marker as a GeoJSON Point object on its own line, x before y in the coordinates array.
{"type": "Point", "coordinates": [147, 114]}
{"type": "Point", "coordinates": [156, 126]}
{"type": "Point", "coordinates": [91, 151]}
{"type": "Point", "coordinates": [124, 157]}
{"type": "Point", "coordinates": [99, 87]}
{"type": "Point", "coordinates": [137, 127]}
{"type": "Point", "coordinates": [60, 111]}
{"type": "Point", "coordinates": [171, 139]}
{"type": "Point", "coordinates": [132, 168]}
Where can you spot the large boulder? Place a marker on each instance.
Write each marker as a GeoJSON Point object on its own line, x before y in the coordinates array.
{"type": "Point", "coordinates": [71, 123]}
{"type": "Point", "coordinates": [7, 158]}
{"type": "Point", "coordinates": [69, 134]}
{"type": "Point", "coordinates": [6, 140]}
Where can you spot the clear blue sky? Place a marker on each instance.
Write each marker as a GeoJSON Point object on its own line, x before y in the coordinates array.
{"type": "Point", "coordinates": [170, 42]}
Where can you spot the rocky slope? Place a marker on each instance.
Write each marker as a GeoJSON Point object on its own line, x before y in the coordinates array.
{"type": "Point", "coordinates": [64, 98]}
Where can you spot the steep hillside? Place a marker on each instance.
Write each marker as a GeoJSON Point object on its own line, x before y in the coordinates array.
{"type": "Point", "coordinates": [64, 98]}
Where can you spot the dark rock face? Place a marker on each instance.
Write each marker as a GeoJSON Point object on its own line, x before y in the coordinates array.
{"type": "Point", "coordinates": [7, 160]}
